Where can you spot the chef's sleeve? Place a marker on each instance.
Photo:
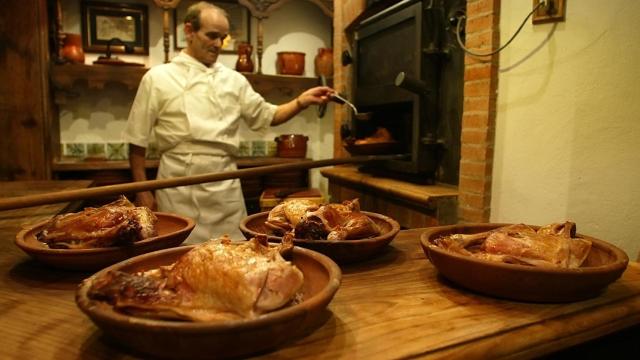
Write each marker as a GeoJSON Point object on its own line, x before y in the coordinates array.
{"type": "Point", "coordinates": [255, 110]}
{"type": "Point", "coordinates": [143, 114]}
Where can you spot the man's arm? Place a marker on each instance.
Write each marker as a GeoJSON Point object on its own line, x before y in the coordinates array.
{"type": "Point", "coordinates": [138, 172]}
{"type": "Point", "coordinates": [317, 95]}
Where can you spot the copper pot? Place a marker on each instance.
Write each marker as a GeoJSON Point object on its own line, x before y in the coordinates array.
{"type": "Point", "coordinates": [290, 63]}
{"type": "Point", "coordinates": [292, 145]}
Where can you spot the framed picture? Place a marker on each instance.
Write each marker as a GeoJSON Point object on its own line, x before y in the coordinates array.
{"type": "Point", "coordinates": [103, 22]}
{"type": "Point", "coordinates": [239, 24]}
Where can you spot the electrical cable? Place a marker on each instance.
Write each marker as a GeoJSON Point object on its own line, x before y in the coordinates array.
{"type": "Point", "coordinates": [463, 17]}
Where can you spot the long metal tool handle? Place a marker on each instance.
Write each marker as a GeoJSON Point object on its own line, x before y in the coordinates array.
{"type": "Point", "coordinates": [110, 190]}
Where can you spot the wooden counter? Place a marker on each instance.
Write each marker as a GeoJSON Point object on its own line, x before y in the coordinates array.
{"type": "Point", "coordinates": [413, 205]}
{"type": "Point", "coordinates": [394, 306]}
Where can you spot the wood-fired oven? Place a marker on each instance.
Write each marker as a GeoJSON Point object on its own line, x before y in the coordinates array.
{"type": "Point", "coordinates": [408, 75]}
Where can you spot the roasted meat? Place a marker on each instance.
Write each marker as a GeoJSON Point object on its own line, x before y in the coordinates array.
{"type": "Point", "coordinates": [216, 280]}
{"type": "Point", "coordinates": [381, 135]}
{"type": "Point", "coordinates": [117, 223]}
{"type": "Point", "coordinates": [330, 221]}
{"type": "Point", "coordinates": [553, 245]}
{"type": "Point", "coordinates": [285, 216]}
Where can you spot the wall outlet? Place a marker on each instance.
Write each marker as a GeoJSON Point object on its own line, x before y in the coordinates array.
{"type": "Point", "coordinates": [551, 11]}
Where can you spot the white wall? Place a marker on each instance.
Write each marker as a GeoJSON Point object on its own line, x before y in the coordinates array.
{"type": "Point", "coordinates": [568, 123]}
{"type": "Point", "coordinates": [99, 116]}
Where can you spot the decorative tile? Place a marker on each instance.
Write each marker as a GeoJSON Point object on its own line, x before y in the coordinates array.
{"type": "Point", "coordinates": [272, 148]}
{"type": "Point", "coordinates": [77, 150]}
{"type": "Point", "coordinates": [258, 148]}
{"type": "Point", "coordinates": [117, 151]}
{"type": "Point", "coordinates": [245, 148]}
{"type": "Point", "coordinates": [96, 150]}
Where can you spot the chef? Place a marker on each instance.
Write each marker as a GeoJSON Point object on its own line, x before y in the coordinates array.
{"type": "Point", "coordinates": [193, 106]}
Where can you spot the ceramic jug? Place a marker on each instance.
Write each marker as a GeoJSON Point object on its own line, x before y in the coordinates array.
{"type": "Point", "coordinates": [324, 62]}
{"type": "Point", "coordinates": [244, 62]}
{"type": "Point", "coordinates": [72, 49]}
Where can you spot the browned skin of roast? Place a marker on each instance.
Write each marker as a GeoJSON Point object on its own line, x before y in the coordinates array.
{"type": "Point", "coordinates": [215, 281]}
{"type": "Point", "coordinates": [553, 245]}
{"type": "Point", "coordinates": [116, 223]}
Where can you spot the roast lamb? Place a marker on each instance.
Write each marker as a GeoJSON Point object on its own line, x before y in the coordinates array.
{"type": "Point", "coordinates": [554, 245]}
{"type": "Point", "coordinates": [215, 281]}
{"type": "Point", "coordinates": [117, 223]}
{"type": "Point", "coordinates": [333, 222]}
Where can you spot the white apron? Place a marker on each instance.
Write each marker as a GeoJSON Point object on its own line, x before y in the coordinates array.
{"type": "Point", "coordinates": [217, 207]}
{"type": "Point", "coordinates": [194, 112]}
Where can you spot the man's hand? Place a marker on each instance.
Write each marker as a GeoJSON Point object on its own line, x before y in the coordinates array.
{"type": "Point", "coordinates": [317, 95]}
{"type": "Point", "coordinates": [146, 199]}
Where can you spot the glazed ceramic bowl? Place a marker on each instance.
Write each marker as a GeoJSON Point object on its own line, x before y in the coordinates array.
{"type": "Point", "coordinates": [604, 264]}
{"type": "Point", "coordinates": [172, 231]}
{"type": "Point", "coordinates": [224, 339]}
{"type": "Point", "coordinates": [343, 252]}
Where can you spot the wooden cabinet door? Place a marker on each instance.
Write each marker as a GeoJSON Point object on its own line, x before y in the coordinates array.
{"type": "Point", "coordinates": [25, 106]}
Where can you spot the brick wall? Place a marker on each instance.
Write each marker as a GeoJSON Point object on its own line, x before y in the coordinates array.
{"type": "Point", "coordinates": [479, 111]}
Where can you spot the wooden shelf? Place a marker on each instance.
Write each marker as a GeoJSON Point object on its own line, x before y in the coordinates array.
{"type": "Point", "coordinates": [286, 85]}
{"type": "Point", "coordinates": [64, 77]}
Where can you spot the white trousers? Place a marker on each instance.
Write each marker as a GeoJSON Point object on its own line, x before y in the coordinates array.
{"type": "Point", "coordinates": [216, 207]}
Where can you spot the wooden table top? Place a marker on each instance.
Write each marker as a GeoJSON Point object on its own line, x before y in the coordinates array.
{"type": "Point", "coordinates": [393, 306]}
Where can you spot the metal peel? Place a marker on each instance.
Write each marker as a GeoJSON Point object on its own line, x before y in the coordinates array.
{"type": "Point", "coordinates": [339, 99]}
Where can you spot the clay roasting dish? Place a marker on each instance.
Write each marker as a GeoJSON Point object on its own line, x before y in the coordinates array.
{"type": "Point", "coordinates": [219, 339]}
{"type": "Point", "coordinates": [603, 265]}
{"type": "Point", "coordinates": [343, 251]}
{"type": "Point", "coordinates": [172, 231]}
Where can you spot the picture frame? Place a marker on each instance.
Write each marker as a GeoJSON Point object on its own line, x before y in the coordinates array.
{"type": "Point", "coordinates": [104, 21]}
{"type": "Point", "coordinates": [239, 24]}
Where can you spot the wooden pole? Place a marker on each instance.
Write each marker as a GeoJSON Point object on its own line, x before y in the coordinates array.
{"type": "Point", "coordinates": [166, 6]}
{"type": "Point", "coordinates": [165, 34]}
{"type": "Point", "coordinates": [110, 190]}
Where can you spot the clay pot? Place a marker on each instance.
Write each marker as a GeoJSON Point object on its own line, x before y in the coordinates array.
{"type": "Point", "coordinates": [292, 145]}
{"type": "Point", "coordinates": [324, 62]}
{"type": "Point", "coordinates": [290, 63]}
{"type": "Point", "coordinates": [244, 62]}
{"type": "Point", "coordinates": [72, 48]}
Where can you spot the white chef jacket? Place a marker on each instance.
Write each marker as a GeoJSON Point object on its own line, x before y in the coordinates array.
{"type": "Point", "coordinates": [194, 112]}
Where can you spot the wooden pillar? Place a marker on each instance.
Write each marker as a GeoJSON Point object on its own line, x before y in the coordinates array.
{"type": "Point", "coordinates": [479, 111]}
{"type": "Point", "coordinates": [167, 6]}
{"type": "Point", "coordinates": [25, 104]}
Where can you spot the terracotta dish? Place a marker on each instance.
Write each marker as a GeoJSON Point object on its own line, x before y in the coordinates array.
{"type": "Point", "coordinates": [344, 251]}
{"type": "Point", "coordinates": [190, 340]}
{"type": "Point", "coordinates": [604, 264]}
{"type": "Point", "coordinates": [172, 231]}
